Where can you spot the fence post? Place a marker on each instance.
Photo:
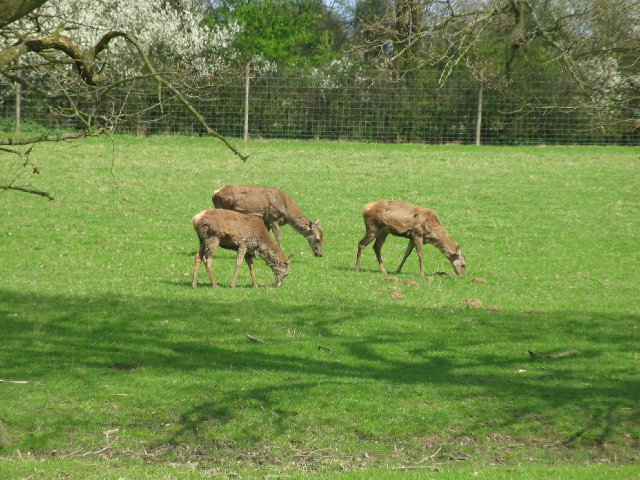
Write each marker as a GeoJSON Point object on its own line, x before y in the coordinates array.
{"type": "Point", "coordinates": [18, 106]}
{"type": "Point", "coordinates": [246, 103]}
{"type": "Point", "coordinates": [479, 114]}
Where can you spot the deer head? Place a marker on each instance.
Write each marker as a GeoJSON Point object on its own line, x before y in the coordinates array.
{"type": "Point", "coordinates": [458, 262]}
{"type": "Point", "coordinates": [315, 238]}
{"type": "Point", "coordinates": [281, 270]}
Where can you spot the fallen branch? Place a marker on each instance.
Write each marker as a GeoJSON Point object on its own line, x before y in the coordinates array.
{"type": "Point", "coordinates": [567, 353]}
{"type": "Point", "coordinates": [254, 338]}
{"type": "Point", "coordinates": [97, 452]}
{"type": "Point", "coordinates": [322, 347]}
{"type": "Point", "coordinates": [430, 457]}
{"type": "Point", "coordinates": [429, 468]}
{"type": "Point", "coordinates": [21, 382]}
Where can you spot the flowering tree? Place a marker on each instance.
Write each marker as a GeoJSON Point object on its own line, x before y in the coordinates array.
{"type": "Point", "coordinates": [171, 34]}
{"type": "Point", "coordinates": [108, 45]}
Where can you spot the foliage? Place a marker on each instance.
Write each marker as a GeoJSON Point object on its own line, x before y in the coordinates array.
{"type": "Point", "coordinates": [135, 373]}
{"type": "Point", "coordinates": [286, 34]}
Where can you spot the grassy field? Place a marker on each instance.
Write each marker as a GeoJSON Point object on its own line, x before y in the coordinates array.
{"type": "Point", "coordinates": [112, 366]}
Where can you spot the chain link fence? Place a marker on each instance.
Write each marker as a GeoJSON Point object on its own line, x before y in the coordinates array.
{"type": "Point", "coordinates": [542, 110]}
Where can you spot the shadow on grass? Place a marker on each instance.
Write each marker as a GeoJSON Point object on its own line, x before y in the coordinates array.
{"type": "Point", "coordinates": [469, 351]}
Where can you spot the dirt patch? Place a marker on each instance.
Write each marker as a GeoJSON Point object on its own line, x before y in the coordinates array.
{"type": "Point", "coordinates": [125, 367]}
{"type": "Point", "coordinates": [472, 302]}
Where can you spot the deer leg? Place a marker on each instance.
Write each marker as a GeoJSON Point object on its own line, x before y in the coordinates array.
{"type": "Point", "coordinates": [239, 259]}
{"type": "Point", "coordinates": [362, 244]}
{"type": "Point", "coordinates": [249, 259]}
{"type": "Point", "coordinates": [406, 255]}
{"type": "Point", "coordinates": [208, 257]}
{"type": "Point", "coordinates": [377, 247]}
{"type": "Point", "coordinates": [198, 259]}
{"type": "Point", "coordinates": [417, 241]}
{"type": "Point", "coordinates": [276, 232]}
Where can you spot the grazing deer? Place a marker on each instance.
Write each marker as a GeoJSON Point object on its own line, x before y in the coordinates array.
{"type": "Point", "coordinates": [235, 231]}
{"type": "Point", "coordinates": [274, 207]}
{"type": "Point", "coordinates": [419, 225]}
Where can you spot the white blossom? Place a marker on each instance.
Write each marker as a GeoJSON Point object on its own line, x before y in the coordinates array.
{"type": "Point", "coordinates": [610, 86]}
{"type": "Point", "coordinates": [170, 36]}
{"type": "Point", "coordinates": [262, 67]}
{"type": "Point", "coordinates": [337, 73]}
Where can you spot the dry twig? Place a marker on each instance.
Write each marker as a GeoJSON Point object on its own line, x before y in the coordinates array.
{"type": "Point", "coordinates": [567, 353]}
{"type": "Point", "coordinates": [253, 338]}
{"type": "Point", "coordinates": [22, 382]}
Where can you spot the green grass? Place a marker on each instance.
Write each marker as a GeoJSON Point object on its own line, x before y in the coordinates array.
{"type": "Point", "coordinates": [362, 375]}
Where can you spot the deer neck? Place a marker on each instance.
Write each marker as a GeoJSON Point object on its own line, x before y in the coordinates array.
{"type": "Point", "coordinates": [445, 244]}
{"type": "Point", "coordinates": [300, 224]}
{"type": "Point", "coordinates": [271, 255]}
{"type": "Point", "coordinates": [294, 217]}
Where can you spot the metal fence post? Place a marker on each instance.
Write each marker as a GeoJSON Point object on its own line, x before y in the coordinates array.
{"type": "Point", "coordinates": [245, 136]}
{"type": "Point", "coordinates": [479, 115]}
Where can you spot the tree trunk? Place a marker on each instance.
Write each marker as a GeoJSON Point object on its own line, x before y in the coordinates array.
{"type": "Point", "coordinates": [12, 10]}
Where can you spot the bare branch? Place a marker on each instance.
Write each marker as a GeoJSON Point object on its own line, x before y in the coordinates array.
{"type": "Point", "coordinates": [162, 81]}
{"type": "Point", "coordinates": [49, 138]}
{"type": "Point", "coordinates": [84, 61]}
{"type": "Point", "coordinates": [27, 190]}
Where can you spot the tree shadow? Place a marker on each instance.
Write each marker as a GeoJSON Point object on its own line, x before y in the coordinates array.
{"type": "Point", "coordinates": [44, 333]}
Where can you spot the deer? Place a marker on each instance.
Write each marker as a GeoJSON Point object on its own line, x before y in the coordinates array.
{"type": "Point", "coordinates": [245, 234]}
{"type": "Point", "coordinates": [420, 225]}
{"type": "Point", "coordinates": [274, 207]}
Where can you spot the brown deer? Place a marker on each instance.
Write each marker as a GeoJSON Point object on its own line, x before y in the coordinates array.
{"type": "Point", "coordinates": [245, 234]}
{"type": "Point", "coordinates": [419, 225]}
{"type": "Point", "coordinates": [274, 207]}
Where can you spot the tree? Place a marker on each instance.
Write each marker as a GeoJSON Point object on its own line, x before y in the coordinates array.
{"type": "Point", "coordinates": [36, 50]}
{"type": "Point", "coordinates": [587, 41]}
{"type": "Point", "coordinates": [291, 35]}
{"type": "Point", "coordinates": [368, 20]}
{"type": "Point", "coordinates": [435, 32]}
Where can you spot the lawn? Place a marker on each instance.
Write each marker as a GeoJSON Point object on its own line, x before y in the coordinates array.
{"type": "Point", "coordinates": [112, 366]}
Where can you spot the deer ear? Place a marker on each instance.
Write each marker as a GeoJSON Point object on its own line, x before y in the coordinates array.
{"type": "Point", "coordinates": [289, 258]}
{"type": "Point", "coordinates": [458, 251]}
{"type": "Point", "coordinates": [317, 223]}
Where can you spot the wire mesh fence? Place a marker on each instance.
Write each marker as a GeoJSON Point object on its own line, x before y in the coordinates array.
{"type": "Point", "coordinates": [543, 110]}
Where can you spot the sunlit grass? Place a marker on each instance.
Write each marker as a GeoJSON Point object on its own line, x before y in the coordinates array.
{"type": "Point", "coordinates": [357, 371]}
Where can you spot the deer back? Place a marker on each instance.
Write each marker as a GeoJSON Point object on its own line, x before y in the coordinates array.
{"type": "Point", "coordinates": [269, 203]}
{"type": "Point", "coordinates": [398, 217]}
{"type": "Point", "coordinates": [235, 229]}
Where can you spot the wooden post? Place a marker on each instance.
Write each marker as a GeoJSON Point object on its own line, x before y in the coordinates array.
{"type": "Point", "coordinates": [479, 115]}
{"type": "Point", "coordinates": [246, 103]}
{"type": "Point", "coordinates": [18, 106]}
